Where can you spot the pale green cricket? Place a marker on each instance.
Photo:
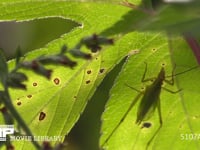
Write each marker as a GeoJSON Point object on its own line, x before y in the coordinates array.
{"type": "Point", "coordinates": [150, 100]}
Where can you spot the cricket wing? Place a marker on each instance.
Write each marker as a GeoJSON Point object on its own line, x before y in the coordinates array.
{"type": "Point", "coordinates": [148, 104]}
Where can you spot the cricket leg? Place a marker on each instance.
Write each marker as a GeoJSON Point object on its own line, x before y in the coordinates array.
{"type": "Point", "coordinates": [122, 119]}
{"type": "Point", "coordinates": [173, 92]}
{"type": "Point", "coordinates": [171, 82]}
{"type": "Point", "coordinates": [160, 121]}
{"type": "Point", "coordinates": [143, 77]}
{"type": "Point", "coordinates": [133, 88]}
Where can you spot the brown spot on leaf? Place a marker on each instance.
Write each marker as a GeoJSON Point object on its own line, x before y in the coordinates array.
{"type": "Point", "coordinates": [19, 103]}
{"type": "Point", "coordinates": [29, 96]}
{"type": "Point", "coordinates": [42, 116]}
{"type": "Point", "coordinates": [87, 82]}
{"type": "Point", "coordinates": [56, 81]}
{"type": "Point", "coordinates": [101, 70]}
{"type": "Point", "coordinates": [133, 52]}
{"type": "Point", "coordinates": [34, 83]}
{"type": "Point", "coordinates": [163, 64]}
{"type": "Point", "coordinates": [146, 125]}
{"type": "Point", "coordinates": [153, 50]}
{"type": "Point", "coordinates": [89, 71]}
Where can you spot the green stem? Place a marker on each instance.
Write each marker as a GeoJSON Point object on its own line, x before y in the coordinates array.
{"type": "Point", "coordinates": [8, 104]}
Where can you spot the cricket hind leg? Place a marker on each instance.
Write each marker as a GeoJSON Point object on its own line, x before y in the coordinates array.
{"type": "Point", "coordinates": [122, 119]}
{"type": "Point", "coordinates": [133, 88]}
{"type": "Point", "coordinates": [171, 82]}
{"type": "Point", "coordinates": [160, 116]}
{"type": "Point", "coordinates": [160, 121]}
{"type": "Point", "coordinates": [173, 92]}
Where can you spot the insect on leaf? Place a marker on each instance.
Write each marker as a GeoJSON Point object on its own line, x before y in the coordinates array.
{"type": "Point", "coordinates": [175, 107]}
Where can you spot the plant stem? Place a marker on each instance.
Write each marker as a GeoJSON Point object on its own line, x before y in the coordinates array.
{"type": "Point", "coordinates": [194, 45]}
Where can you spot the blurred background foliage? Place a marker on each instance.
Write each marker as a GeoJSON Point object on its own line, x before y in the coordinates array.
{"type": "Point", "coordinates": [34, 34]}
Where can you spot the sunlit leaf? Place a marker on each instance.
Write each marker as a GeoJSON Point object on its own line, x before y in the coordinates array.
{"type": "Point", "coordinates": [51, 107]}
{"type": "Point", "coordinates": [179, 113]}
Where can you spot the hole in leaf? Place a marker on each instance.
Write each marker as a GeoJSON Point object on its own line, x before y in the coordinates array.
{"type": "Point", "coordinates": [42, 116]}
{"type": "Point", "coordinates": [56, 81]}
{"type": "Point", "coordinates": [33, 34]}
{"type": "Point", "coordinates": [34, 84]}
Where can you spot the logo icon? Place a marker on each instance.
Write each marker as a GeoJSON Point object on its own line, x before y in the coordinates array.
{"type": "Point", "coordinates": [5, 130]}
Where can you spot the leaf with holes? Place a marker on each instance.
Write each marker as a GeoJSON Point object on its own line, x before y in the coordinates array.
{"type": "Point", "coordinates": [51, 107]}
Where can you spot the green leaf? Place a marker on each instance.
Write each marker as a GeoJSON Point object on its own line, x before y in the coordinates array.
{"type": "Point", "coordinates": [51, 107]}
{"type": "Point", "coordinates": [179, 111]}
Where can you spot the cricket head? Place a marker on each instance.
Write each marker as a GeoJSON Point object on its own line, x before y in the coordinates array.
{"type": "Point", "coordinates": [161, 75]}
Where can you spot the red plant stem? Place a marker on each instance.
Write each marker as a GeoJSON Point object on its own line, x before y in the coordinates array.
{"type": "Point", "coordinates": [194, 45]}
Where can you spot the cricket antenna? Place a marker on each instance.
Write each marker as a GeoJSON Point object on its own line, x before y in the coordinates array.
{"type": "Point", "coordinates": [184, 71]}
